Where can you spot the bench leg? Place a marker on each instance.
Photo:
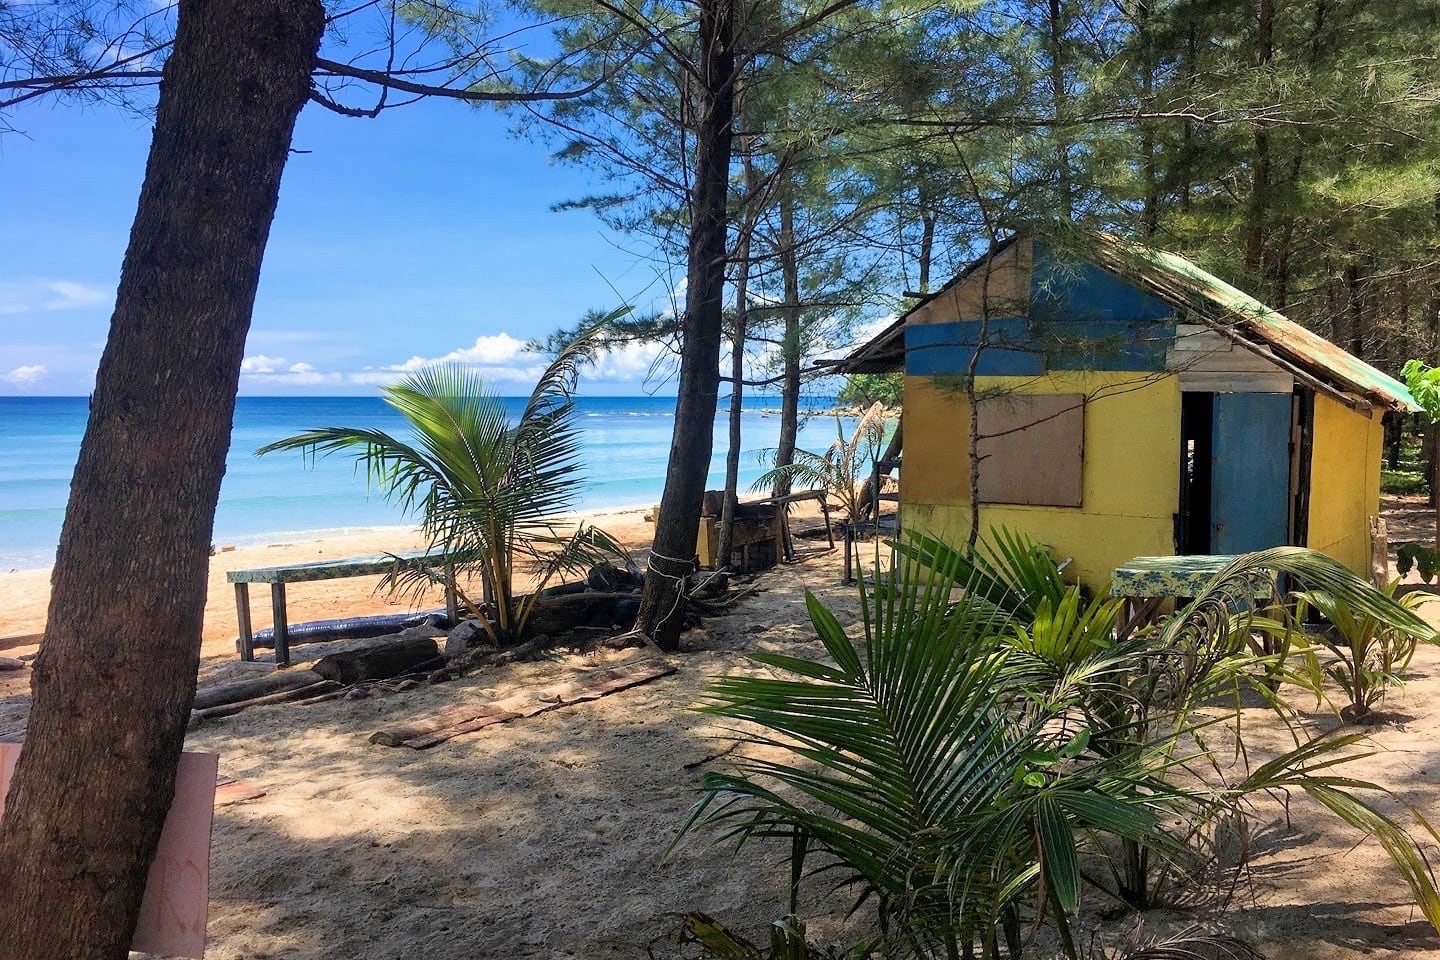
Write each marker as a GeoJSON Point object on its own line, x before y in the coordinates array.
{"type": "Point", "coordinates": [246, 643]}
{"type": "Point", "coordinates": [282, 625]}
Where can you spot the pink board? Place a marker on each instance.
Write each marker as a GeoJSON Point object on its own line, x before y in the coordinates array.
{"type": "Point", "coordinates": [177, 894]}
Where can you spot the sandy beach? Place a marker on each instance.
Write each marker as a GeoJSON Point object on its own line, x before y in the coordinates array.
{"type": "Point", "coordinates": [25, 594]}
{"type": "Point", "coordinates": [543, 837]}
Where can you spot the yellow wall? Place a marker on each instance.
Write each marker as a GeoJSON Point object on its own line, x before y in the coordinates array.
{"type": "Point", "coordinates": [1344, 481]}
{"type": "Point", "coordinates": [1130, 480]}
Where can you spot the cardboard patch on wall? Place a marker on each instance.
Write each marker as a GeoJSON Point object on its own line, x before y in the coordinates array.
{"type": "Point", "coordinates": [1032, 449]}
{"type": "Point", "coordinates": [176, 905]}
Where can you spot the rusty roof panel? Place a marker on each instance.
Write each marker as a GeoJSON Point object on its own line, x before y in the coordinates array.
{"type": "Point", "coordinates": [1182, 283]}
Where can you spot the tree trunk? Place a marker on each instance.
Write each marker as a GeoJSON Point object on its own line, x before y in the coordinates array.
{"type": "Point", "coordinates": [661, 604]}
{"type": "Point", "coordinates": [1259, 207]}
{"type": "Point", "coordinates": [726, 539]}
{"type": "Point", "coordinates": [1150, 209]}
{"type": "Point", "coordinates": [927, 245]}
{"type": "Point", "coordinates": [115, 677]}
{"type": "Point", "coordinates": [1059, 95]}
{"type": "Point", "coordinates": [789, 343]}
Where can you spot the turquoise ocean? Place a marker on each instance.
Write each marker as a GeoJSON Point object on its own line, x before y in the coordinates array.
{"type": "Point", "coordinates": [281, 496]}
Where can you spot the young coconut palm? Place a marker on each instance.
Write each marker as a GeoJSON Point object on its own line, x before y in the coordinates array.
{"type": "Point", "coordinates": [841, 469]}
{"type": "Point", "coordinates": [487, 491]}
{"type": "Point", "coordinates": [952, 765]}
{"type": "Point", "coordinates": [1370, 655]}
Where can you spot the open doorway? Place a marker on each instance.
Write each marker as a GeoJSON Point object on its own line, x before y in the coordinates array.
{"type": "Point", "coordinates": [1192, 531]}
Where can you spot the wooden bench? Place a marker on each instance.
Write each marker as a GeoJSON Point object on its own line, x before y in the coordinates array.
{"type": "Point", "coordinates": [279, 576]}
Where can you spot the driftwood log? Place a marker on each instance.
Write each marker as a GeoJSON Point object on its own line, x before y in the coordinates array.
{"type": "Point", "coordinates": [379, 661]}
{"type": "Point", "coordinates": [467, 719]}
{"type": "Point", "coordinates": [285, 696]}
{"type": "Point", "coordinates": [277, 682]}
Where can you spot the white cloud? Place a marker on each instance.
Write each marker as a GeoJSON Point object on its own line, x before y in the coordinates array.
{"type": "Point", "coordinates": [485, 352]}
{"type": "Point", "coordinates": [308, 377]}
{"type": "Point", "coordinates": [24, 375]}
{"type": "Point", "coordinates": [260, 363]}
{"type": "Point", "coordinates": [630, 363]}
{"type": "Point", "coordinates": [501, 360]}
{"type": "Point", "coordinates": [47, 296]}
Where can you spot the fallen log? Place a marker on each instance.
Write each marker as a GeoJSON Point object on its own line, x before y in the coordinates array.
{"type": "Point", "coordinates": [276, 682]}
{"type": "Point", "coordinates": [558, 615]}
{"type": "Point", "coordinates": [378, 661]}
{"type": "Point", "coordinates": [467, 719]}
{"type": "Point", "coordinates": [230, 709]}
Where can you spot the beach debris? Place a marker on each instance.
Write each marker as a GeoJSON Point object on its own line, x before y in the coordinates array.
{"type": "Point", "coordinates": [584, 687]}
{"type": "Point", "coordinates": [380, 661]}
{"type": "Point", "coordinates": [608, 578]}
{"type": "Point", "coordinates": [285, 696]}
{"type": "Point", "coordinates": [11, 663]}
{"type": "Point", "coordinates": [241, 690]}
{"type": "Point", "coordinates": [228, 790]}
{"type": "Point", "coordinates": [558, 615]}
{"type": "Point", "coordinates": [465, 634]}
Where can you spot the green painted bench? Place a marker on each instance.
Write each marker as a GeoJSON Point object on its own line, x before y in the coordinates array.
{"type": "Point", "coordinates": [279, 576]}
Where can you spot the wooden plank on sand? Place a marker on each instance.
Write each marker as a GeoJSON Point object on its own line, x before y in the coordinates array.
{"type": "Point", "coordinates": [467, 719]}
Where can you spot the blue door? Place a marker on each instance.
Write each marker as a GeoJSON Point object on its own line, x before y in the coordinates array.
{"type": "Point", "coordinates": [1250, 472]}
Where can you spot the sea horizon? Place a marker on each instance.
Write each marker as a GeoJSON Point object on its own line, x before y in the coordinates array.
{"type": "Point", "coordinates": [625, 445]}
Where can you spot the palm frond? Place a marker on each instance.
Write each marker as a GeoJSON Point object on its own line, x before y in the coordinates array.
{"type": "Point", "coordinates": [488, 492]}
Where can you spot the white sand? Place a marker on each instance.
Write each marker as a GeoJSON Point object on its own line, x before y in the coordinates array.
{"type": "Point", "coordinates": [542, 837]}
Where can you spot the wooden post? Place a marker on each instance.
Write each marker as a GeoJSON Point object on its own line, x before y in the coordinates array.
{"type": "Point", "coordinates": [1379, 553]}
{"type": "Point", "coordinates": [282, 625]}
{"type": "Point", "coordinates": [246, 643]}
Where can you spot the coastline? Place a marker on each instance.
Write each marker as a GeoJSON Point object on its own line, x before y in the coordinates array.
{"type": "Point", "coordinates": [25, 594]}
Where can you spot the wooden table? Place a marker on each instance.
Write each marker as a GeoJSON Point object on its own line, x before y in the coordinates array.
{"type": "Point", "coordinates": [279, 576]}
{"type": "Point", "coordinates": [1146, 582]}
{"type": "Point", "coordinates": [787, 542]}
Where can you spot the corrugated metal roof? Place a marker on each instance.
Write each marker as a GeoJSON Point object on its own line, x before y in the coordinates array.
{"type": "Point", "coordinates": [1178, 281]}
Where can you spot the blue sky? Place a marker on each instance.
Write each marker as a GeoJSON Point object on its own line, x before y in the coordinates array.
{"type": "Point", "coordinates": [421, 235]}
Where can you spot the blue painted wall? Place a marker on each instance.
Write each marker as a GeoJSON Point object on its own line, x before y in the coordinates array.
{"type": "Point", "coordinates": [945, 349]}
{"type": "Point", "coordinates": [1081, 318]}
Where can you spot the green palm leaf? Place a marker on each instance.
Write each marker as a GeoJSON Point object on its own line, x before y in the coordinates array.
{"type": "Point", "coordinates": [487, 491]}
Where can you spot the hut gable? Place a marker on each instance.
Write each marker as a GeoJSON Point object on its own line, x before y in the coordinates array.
{"type": "Point", "coordinates": [1116, 306]}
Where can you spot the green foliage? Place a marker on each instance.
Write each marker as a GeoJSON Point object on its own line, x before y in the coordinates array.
{"type": "Point", "coordinates": [1369, 654]}
{"type": "Point", "coordinates": [868, 389]}
{"type": "Point", "coordinates": [487, 491]}
{"type": "Point", "coordinates": [841, 469]}
{"type": "Point", "coordinates": [1403, 482]}
{"type": "Point", "coordinates": [1423, 382]}
{"type": "Point", "coordinates": [960, 763]}
{"type": "Point", "coordinates": [1408, 556]}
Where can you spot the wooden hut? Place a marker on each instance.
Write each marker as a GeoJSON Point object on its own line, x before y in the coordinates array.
{"type": "Point", "coordinates": [1131, 404]}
